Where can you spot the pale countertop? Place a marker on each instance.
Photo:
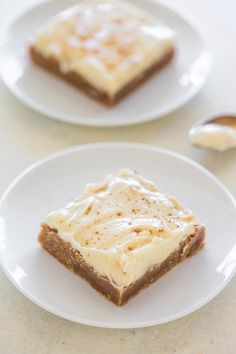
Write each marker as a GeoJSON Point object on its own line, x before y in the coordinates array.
{"type": "Point", "coordinates": [26, 136]}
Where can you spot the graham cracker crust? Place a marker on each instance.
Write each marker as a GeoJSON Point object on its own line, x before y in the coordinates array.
{"type": "Point", "coordinates": [53, 66]}
{"type": "Point", "coordinates": [73, 260]}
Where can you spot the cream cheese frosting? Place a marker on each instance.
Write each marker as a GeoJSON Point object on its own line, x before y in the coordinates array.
{"type": "Point", "coordinates": [108, 43]}
{"type": "Point", "coordinates": [123, 226]}
{"type": "Point", "coordinates": [213, 136]}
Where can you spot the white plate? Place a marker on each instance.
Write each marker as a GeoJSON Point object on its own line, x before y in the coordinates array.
{"type": "Point", "coordinates": [165, 92]}
{"type": "Point", "coordinates": [51, 183]}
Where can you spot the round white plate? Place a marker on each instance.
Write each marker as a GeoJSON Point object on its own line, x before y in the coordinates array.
{"type": "Point", "coordinates": [53, 182]}
{"type": "Point", "coordinates": [165, 92]}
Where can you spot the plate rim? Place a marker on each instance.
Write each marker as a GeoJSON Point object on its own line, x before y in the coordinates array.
{"type": "Point", "coordinates": [116, 144]}
{"type": "Point", "coordinates": [83, 121]}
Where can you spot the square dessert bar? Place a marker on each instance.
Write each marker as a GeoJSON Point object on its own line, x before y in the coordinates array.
{"type": "Point", "coordinates": [104, 47]}
{"type": "Point", "coordinates": [121, 235]}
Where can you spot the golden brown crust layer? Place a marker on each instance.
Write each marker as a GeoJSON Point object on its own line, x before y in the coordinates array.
{"type": "Point", "coordinates": [53, 66]}
{"type": "Point", "coordinates": [73, 260]}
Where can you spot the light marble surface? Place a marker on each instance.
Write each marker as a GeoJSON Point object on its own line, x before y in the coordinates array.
{"type": "Point", "coordinates": [26, 136]}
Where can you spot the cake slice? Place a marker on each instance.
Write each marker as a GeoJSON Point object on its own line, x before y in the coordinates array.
{"type": "Point", "coordinates": [121, 235]}
{"type": "Point", "coordinates": [104, 47]}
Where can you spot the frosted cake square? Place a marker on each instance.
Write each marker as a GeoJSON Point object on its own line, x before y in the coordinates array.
{"type": "Point", "coordinates": [122, 234]}
{"type": "Point", "coordinates": [106, 48]}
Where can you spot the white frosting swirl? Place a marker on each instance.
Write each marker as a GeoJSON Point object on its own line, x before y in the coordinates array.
{"type": "Point", "coordinates": [123, 226]}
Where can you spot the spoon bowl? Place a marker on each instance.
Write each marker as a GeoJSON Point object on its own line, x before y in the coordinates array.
{"type": "Point", "coordinates": [226, 120]}
{"type": "Point", "coordinates": [216, 133]}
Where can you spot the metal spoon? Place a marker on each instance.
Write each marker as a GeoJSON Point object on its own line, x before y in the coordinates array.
{"type": "Point", "coordinates": [217, 133]}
